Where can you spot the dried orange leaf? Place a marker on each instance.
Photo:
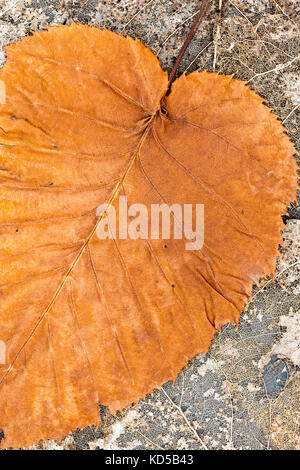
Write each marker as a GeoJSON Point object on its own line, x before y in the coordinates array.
{"type": "Point", "coordinates": [86, 320]}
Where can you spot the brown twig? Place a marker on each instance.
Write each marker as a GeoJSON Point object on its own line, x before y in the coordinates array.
{"type": "Point", "coordinates": [202, 12]}
{"type": "Point", "coordinates": [218, 34]}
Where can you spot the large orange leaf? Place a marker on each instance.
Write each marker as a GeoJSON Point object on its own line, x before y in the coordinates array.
{"type": "Point", "coordinates": [86, 320]}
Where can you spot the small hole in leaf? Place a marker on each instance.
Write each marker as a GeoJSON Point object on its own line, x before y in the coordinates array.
{"type": "Point", "coordinates": [17, 230]}
{"type": "Point", "coordinates": [163, 111]}
{"type": "Point", "coordinates": [173, 285]}
{"type": "Point", "coordinates": [51, 184]}
{"type": "Point", "coordinates": [165, 246]}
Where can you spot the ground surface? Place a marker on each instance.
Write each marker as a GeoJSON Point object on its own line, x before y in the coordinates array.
{"type": "Point", "coordinates": [243, 394]}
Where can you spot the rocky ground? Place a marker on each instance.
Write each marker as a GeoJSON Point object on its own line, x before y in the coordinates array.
{"type": "Point", "coordinates": [244, 394]}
